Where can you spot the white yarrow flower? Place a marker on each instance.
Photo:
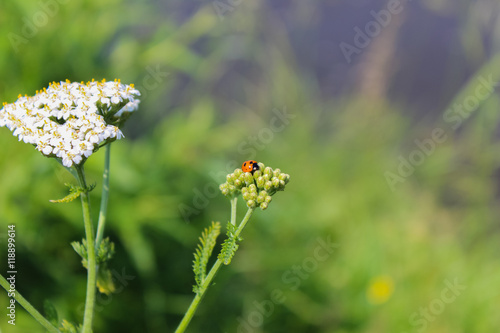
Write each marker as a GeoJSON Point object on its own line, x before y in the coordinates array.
{"type": "Point", "coordinates": [71, 120]}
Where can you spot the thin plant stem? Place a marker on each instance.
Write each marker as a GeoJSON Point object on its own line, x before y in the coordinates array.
{"type": "Point", "coordinates": [208, 280]}
{"type": "Point", "coordinates": [104, 198]}
{"type": "Point", "coordinates": [88, 315]}
{"type": "Point", "coordinates": [28, 307]}
{"type": "Point", "coordinates": [233, 210]}
{"type": "Point", "coordinates": [196, 301]}
{"type": "Point", "coordinates": [244, 222]}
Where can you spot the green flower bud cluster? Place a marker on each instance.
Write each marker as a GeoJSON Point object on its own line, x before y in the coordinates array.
{"type": "Point", "coordinates": [256, 188]}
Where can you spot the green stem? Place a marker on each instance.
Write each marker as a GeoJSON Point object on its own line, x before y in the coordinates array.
{"type": "Point", "coordinates": [233, 210]}
{"type": "Point", "coordinates": [28, 307]}
{"type": "Point", "coordinates": [91, 259]}
{"type": "Point", "coordinates": [213, 271]}
{"type": "Point", "coordinates": [104, 198]}
{"type": "Point", "coordinates": [196, 301]}
{"type": "Point", "coordinates": [244, 222]}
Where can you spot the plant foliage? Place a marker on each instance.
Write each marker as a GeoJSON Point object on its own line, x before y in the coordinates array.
{"type": "Point", "coordinates": [74, 193]}
{"type": "Point", "coordinates": [230, 245]}
{"type": "Point", "coordinates": [203, 252]}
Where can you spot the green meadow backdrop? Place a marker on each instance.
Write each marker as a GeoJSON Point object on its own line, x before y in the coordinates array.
{"type": "Point", "coordinates": [388, 126]}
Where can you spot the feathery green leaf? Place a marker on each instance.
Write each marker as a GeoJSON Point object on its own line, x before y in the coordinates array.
{"type": "Point", "coordinates": [203, 252]}
{"type": "Point", "coordinates": [230, 245]}
{"type": "Point", "coordinates": [74, 193]}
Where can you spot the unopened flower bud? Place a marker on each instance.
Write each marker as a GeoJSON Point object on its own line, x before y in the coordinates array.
{"type": "Point", "coordinates": [276, 182]}
{"type": "Point", "coordinates": [260, 182]}
{"type": "Point", "coordinates": [261, 199]}
{"type": "Point", "coordinates": [251, 204]}
{"type": "Point", "coordinates": [248, 178]}
{"type": "Point", "coordinates": [256, 188]}
{"type": "Point", "coordinates": [276, 172]}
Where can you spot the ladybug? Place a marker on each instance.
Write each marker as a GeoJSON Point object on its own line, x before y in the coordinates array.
{"type": "Point", "coordinates": [250, 166]}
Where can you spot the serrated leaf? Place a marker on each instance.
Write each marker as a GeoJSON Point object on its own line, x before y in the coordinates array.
{"type": "Point", "coordinates": [74, 193]}
{"type": "Point", "coordinates": [81, 249]}
{"type": "Point", "coordinates": [230, 245]}
{"type": "Point", "coordinates": [70, 197]}
{"type": "Point", "coordinates": [203, 252]}
{"type": "Point", "coordinates": [105, 252]}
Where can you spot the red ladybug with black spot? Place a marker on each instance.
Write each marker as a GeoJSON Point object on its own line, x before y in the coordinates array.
{"type": "Point", "coordinates": [250, 166]}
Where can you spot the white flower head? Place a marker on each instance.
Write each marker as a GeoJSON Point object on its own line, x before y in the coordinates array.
{"type": "Point", "coordinates": [71, 120]}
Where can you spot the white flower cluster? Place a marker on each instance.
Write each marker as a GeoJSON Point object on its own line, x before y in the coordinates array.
{"type": "Point", "coordinates": [71, 120]}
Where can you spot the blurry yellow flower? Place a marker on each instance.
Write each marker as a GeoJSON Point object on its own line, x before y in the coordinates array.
{"type": "Point", "coordinates": [380, 289]}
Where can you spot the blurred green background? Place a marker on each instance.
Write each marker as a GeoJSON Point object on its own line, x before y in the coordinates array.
{"type": "Point", "coordinates": [214, 75]}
